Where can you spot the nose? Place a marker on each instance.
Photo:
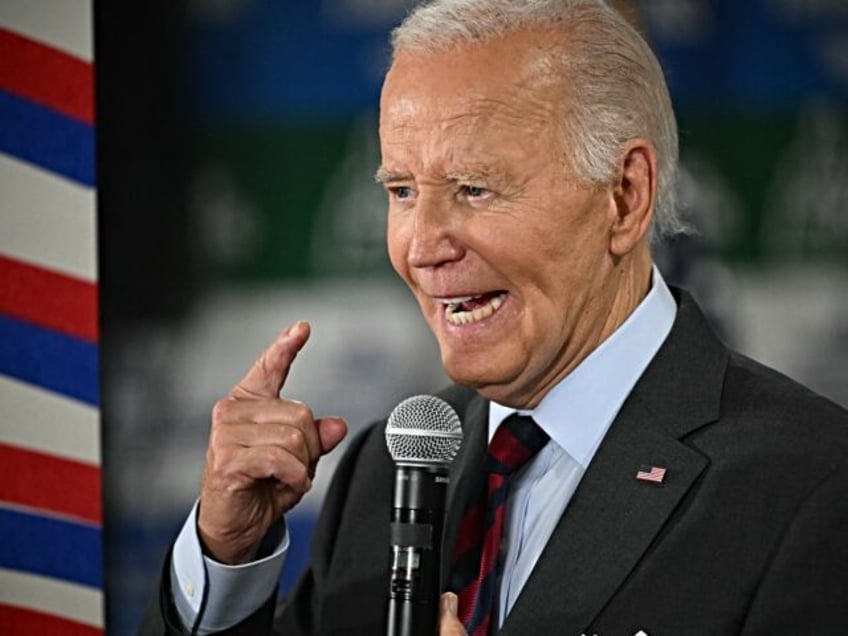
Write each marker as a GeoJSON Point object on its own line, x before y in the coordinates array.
{"type": "Point", "coordinates": [434, 241]}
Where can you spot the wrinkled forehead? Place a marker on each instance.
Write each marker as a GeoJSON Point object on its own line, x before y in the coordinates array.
{"type": "Point", "coordinates": [516, 76]}
{"type": "Point", "coordinates": [488, 126]}
{"type": "Point", "coordinates": [529, 59]}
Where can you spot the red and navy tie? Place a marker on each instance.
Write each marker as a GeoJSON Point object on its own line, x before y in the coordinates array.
{"type": "Point", "coordinates": [474, 575]}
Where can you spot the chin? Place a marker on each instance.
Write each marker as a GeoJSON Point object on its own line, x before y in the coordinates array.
{"type": "Point", "coordinates": [461, 372]}
{"type": "Point", "coordinates": [490, 382]}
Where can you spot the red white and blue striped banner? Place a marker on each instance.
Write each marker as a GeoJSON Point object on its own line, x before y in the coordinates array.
{"type": "Point", "coordinates": [51, 570]}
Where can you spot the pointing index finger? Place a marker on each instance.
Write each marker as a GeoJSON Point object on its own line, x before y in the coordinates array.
{"type": "Point", "coordinates": [268, 374]}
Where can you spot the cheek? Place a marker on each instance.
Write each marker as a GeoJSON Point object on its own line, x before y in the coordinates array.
{"type": "Point", "coordinates": [397, 242]}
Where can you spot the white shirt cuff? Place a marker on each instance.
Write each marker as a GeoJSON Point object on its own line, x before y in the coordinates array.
{"type": "Point", "coordinates": [211, 596]}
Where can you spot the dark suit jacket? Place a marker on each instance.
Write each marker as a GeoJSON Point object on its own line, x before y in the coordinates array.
{"type": "Point", "coordinates": [747, 534]}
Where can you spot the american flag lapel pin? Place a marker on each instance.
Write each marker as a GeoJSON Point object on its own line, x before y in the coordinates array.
{"type": "Point", "coordinates": [655, 474]}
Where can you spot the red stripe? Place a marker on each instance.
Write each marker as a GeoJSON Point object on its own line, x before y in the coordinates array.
{"type": "Point", "coordinates": [48, 299]}
{"type": "Point", "coordinates": [468, 598]}
{"type": "Point", "coordinates": [470, 530]}
{"type": "Point", "coordinates": [508, 449]}
{"type": "Point", "coordinates": [50, 483]}
{"type": "Point", "coordinates": [492, 540]}
{"type": "Point", "coordinates": [483, 629]}
{"type": "Point", "coordinates": [47, 76]}
{"type": "Point", "coordinates": [17, 621]}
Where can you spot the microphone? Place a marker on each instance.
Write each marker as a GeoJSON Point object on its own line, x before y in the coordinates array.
{"type": "Point", "coordinates": [423, 435]}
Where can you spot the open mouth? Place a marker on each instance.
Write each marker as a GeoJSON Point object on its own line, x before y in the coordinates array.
{"type": "Point", "coordinates": [464, 310]}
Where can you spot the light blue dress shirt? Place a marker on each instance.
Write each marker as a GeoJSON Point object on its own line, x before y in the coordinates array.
{"type": "Point", "coordinates": [576, 414]}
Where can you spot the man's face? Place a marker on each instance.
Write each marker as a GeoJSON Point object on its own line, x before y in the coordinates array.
{"type": "Point", "coordinates": [506, 251]}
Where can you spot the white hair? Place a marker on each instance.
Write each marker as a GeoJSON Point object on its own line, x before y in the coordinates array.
{"type": "Point", "coordinates": [617, 89]}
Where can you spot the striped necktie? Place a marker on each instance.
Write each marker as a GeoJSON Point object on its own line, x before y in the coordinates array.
{"type": "Point", "coordinates": [474, 575]}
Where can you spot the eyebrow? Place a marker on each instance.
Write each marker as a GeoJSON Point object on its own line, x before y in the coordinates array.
{"type": "Point", "coordinates": [386, 176]}
{"type": "Point", "coordinates": [485, 174]}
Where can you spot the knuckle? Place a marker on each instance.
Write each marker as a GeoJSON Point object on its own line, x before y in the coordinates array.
{"type": "Point", "coordinates": [301, 412]}
{"type": "Point", "coordinates": [300, 477]}
{"type": "Point", "coordinates": [232, 486]}
{"type": "Point", "coordinates": [280, 462]}
{"type": "Point", "coordinates": [294, 438]}
{"type": "Point", "coordinates": [273, 458]}
{"type": "Point", "coordinates": [221, 411]}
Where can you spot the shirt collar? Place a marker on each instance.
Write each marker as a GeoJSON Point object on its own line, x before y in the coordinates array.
{"type": "Point", "coordinates": [577, 412]}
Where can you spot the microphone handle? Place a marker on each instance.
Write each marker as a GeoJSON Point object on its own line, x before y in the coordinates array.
{"type": "Point", "coordinates": [418, 513]}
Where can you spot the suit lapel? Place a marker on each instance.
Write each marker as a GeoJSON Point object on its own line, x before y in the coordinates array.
{"type": "Point", "coordinates": [606, 528]}
{"type": "Point", "coordinates": [466, 474]}
{"type": "Point", "coordinates": [613, 517]}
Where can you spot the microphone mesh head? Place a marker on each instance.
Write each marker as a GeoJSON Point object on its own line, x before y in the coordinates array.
{"type": "Point", "coordinates": [423, 429]}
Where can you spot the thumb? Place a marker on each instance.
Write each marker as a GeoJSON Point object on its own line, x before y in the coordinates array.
{"type": "Point", "coordinates": [449, 623]}
{"type": "Point", "coordinates": [331, 431]}
{"type": "Point", "coordinates": [268, 374]}
{"type": "Point", "coordinates": [450, 604]}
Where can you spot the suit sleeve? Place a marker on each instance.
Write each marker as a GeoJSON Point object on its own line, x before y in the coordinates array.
{"type": "Point", "coordinates": [296, 615]}
{"type": "Point", "coordinates": [161, 617]}
{"type": "Point", "coordinates": [805, 588]}
{"type": "Point", "coordinates": [300, 612]}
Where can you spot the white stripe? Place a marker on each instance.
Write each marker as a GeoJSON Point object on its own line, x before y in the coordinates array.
{"type": "Point", "coordinates": [47, 220]}
{"type": "Point", "coordinates": [48, 422]}
{"type": "Point", "coordinates": [62, 24]}
{"type": "Point", "coordinates": [52, 596]}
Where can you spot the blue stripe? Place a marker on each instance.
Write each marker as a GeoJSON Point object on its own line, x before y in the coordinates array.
{"type": "Point", "coordinates": [483, 607]}
{"type": "Point", "coordinates": [50, 360]}
{"type": "Point", "coordinates": [496, 500]}
{"type": "Point", "coordinates": [46, 138]}
{"type": "Point", "coordinates": [465, 569]}
{"type": "Point", "coordinates": [50, 547]}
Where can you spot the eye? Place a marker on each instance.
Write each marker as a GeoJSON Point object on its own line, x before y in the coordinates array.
{"type": "Point", "coordinates": [475, 192]}
{"type": "Point", "coordinates": [401, 192]}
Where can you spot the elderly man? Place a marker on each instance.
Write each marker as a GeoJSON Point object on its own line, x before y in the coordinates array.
{"type": "Point", "coordinates": [528, 152]}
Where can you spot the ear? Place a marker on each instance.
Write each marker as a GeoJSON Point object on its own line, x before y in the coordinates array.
{"type": "Point", "coordinates": [633, 196]}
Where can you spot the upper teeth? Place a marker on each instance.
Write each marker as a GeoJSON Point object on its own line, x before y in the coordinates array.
{"type": "Point", "coordinates": [455, 301]}
{"type": "Point", "coordinates": [456, 316]}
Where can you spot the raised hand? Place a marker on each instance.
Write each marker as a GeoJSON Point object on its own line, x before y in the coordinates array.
{"type": "Point", "coordinates": [262, 454]}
